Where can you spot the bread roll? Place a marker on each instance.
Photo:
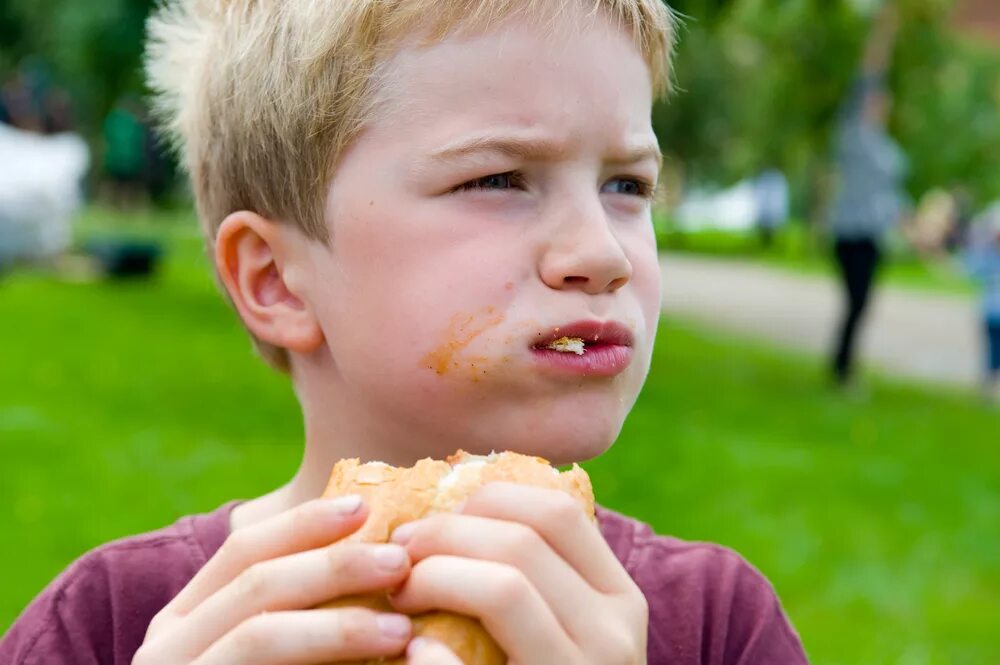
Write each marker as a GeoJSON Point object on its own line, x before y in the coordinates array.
{"type": "Point", "coordinates": [396, 496]}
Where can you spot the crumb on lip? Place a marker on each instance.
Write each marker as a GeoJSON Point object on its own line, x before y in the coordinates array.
{"type": "Point", "coordinates": [568, 345]}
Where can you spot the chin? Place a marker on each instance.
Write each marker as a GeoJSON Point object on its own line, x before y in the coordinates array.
{"type": "Point", "coordinates": [562, 434]}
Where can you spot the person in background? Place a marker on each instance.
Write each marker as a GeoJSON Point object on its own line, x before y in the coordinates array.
{"type": "Point", "coordinates": [983, 261]}
{"type": "Point", "coordinates": [125, 153]}
{"type": "Point", "coordinates": [869, 198]}
{"type": "Point", "coordinates": [18, 100]}
{"type": "Point", "coordinates": [772, 204]}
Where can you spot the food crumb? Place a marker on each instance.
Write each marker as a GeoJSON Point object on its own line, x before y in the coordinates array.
{"type": "Point", "coordinates": [568, 345]}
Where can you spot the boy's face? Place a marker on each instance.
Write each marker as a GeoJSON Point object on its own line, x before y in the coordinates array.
{"type": "Point", "coordinates": [500, 200]}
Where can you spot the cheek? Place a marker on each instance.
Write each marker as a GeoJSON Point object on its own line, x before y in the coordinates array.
{"type": "Point", "coordinates": [418, 306]}
{"type": "Point", "coordinates": [647, 279]}
{"type": "Point", "coordinates": [454, 353]}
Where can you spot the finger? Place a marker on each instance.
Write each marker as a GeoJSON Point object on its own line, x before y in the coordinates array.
{"type": "Point", "coordinates": [516, 545]}
{"type": "Point", "coordinates": [560, 520]}
{"type": "Point", "coordinates": [305, 527]}
{"type": "Point", "coordinates": [295, 582]}
{"type": "Point", "coordinates": [425, 651]}
{"type": "Point", "coordinates": [509, 607]}
{"type": "Point", "coordinates": [311, 636]}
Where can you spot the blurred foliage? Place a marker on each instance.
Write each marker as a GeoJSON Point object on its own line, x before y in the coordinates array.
{"type": "Point", "coordinates": [759, 84]}
{"type": "Point", "coordinates": [94, 49]}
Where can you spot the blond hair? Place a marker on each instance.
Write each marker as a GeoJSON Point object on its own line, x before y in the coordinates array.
{"type": "Point", "coordinates": [261, 97]}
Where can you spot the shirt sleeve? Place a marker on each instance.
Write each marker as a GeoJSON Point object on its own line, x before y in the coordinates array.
{"type": "Point", "coordinates": [64, 624]}
{"type": "Point", "coordinates": [708, 606]}
{"type": "Point", "coordinates": [99, 609]}
{"type": "Point", "coordinates": [759, 632]}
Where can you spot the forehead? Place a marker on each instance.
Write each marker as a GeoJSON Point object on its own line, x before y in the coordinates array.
{"type": "Point", "coordinates": [577, 73]}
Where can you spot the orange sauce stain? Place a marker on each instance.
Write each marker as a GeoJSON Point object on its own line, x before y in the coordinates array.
{"type": "Point", "coordinates": [462, 331]}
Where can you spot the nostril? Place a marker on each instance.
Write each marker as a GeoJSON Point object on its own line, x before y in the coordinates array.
{"type": "Point", "coordinates": [617, 284]}
{"type": "Point", "coordinates": [575, 280]}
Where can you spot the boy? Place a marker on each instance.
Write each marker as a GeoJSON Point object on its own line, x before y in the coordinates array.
{"type": "Point", "coordinates": [407, 202]}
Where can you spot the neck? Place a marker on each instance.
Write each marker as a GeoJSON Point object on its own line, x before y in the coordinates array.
{"type": "Point", "coordinates": [332, 432]}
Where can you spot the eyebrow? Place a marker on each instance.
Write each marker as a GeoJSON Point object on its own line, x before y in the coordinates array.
{"type": "Point", "coordinates": [538, 149]}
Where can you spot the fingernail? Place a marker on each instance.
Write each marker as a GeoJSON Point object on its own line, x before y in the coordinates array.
{"type": "Point", "coordinates": [346, 505]}
{"type": "Point", "coordinates": [403, 534]}
{"type": "Point", "coordinates": [416, 645]}
{"type": "Point", "coordinates": [390, 558]}
{"type": "Point", "coordinates": [395, 626]}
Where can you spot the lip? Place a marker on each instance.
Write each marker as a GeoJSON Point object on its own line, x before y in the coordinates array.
{"type": "Point", "coordinates": [607, 349]}
{"type": "Point", "coordinates": [593, 333]}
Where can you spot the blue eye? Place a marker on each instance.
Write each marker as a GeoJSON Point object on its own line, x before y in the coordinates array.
{"type": "Point", "coordinates": [509, 180]}
{"type": "Point", "coordinates": [628, 187]}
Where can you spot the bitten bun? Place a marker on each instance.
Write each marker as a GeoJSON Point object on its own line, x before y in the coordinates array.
{"type": "Point", "coordinates": [396, 496]}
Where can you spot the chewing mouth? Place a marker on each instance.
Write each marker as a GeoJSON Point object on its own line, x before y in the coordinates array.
{"type": "Point", "coordinates": [582, 337]}
{"type": "Point", "coordinates": [568, 345]}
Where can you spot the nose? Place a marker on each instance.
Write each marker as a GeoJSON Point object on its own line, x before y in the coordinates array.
{"type": "Point", "coordinates": [584, 254]}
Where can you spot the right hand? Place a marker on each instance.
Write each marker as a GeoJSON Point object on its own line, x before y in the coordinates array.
{"type": "Point", "coordinates": [251, 603]}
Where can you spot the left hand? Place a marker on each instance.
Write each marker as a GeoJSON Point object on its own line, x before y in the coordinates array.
{"type": "Point", "coordinates": [532, 567]}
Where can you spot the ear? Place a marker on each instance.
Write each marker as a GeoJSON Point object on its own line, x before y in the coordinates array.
{"type": "Point", "coordinates": [255, 261]}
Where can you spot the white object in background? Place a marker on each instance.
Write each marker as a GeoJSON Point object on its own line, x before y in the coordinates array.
{"type": "Point", "coordinates": [733, 209]}
{"type": "Point", "coordinates": [40, 191]}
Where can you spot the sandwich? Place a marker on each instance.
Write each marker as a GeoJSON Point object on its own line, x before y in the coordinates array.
{"type": "Point", "coordinates": [396, 496]}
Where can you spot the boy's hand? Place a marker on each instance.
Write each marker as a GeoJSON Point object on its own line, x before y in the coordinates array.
{"type": "Point", "coordinates": [536, 572]}
{"type": "Point", "coordinates": [250, 603]}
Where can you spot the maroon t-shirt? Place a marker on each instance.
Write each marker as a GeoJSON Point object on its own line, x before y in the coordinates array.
{"type": "Point", "coordinates": [706, 604]}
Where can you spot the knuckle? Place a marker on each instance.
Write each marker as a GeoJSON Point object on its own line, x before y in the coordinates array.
{"type": "Point", "coordinates": [354, 627]}
{"type": "Point", "coordinates": [636, 606]}
{"type": "Point", "coordinates": [343, 562]}
{"type": "Point", "coordinates": [438, 526]}
{"type": "Point", "coordinates": [436, 533]}
{"type": "Point", "coordinates": [619, 648]}
{"type": "Point", "coordinates": [159, 622]}
{"type": "Point", "coordinates": [523, 541]}
{"type": "Point", "coordinates": [510, 588]}
{"type": "Point", "coordinates": [234, 546]}
{"type": "Point", "coordinates": [142, 656]}
{"type": "Point", "coordinates": [640, 607]}
{"type": "Point", "coordinates": [563, 509]}
{"type": "Point", "coordinates": [304, 518]}
{"type": "Point", "coordinates": [253, 582]}
{"type": "Point", "coordinates": [253, 635]}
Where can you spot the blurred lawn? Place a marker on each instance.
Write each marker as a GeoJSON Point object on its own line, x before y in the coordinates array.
{"type": "Point", "coordinates": [124, 406]}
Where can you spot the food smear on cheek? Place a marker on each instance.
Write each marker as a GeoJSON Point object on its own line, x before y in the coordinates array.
{"type": "Point", "coordinates": [461, 332]}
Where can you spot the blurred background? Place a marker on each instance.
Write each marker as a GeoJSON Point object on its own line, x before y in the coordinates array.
{"type": "Point", "coordinates": [821, 400]}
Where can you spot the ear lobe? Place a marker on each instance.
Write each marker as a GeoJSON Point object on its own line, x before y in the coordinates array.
{"type": "Point", "coordinates": [251, 260]}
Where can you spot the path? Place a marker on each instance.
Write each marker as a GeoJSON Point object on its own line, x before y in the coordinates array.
{"type": "Point", "coordinates": [909, 333]}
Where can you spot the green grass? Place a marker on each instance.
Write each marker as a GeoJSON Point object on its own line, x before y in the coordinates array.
{"type": "Point", "coordinates": [795, 250]}
{"type": "Point", "coordinates": [124, 406]}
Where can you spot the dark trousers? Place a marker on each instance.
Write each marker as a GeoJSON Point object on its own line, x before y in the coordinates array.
{"type": "Point", "coordinates": [858, 262]}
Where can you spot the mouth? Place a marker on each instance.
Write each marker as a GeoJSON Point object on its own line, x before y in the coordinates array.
{"type": "Point", "coordinates": [586, 348]}
{"type": "Point", "coordinates": [583, 336]}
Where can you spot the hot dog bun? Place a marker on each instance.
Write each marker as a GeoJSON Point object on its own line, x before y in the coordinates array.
{"type": "Point", "coordinates": [396, 496]}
